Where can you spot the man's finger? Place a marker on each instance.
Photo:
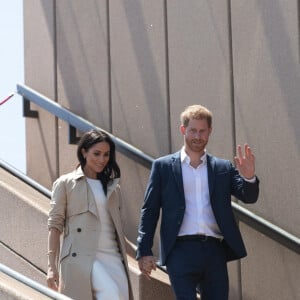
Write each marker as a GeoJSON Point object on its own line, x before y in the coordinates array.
{"type": "Point", "coordinates": [239, 152]}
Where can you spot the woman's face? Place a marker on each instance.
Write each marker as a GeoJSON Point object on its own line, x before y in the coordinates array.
{"type": "Point", "coordinates": [97, 158]}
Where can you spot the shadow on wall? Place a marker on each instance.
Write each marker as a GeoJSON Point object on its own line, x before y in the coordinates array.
{"type": "Point", "coordinates": [285, 62]}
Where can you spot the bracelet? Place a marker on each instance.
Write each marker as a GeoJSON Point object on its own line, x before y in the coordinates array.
{"type": "Point", "coordinates": [50, 252]}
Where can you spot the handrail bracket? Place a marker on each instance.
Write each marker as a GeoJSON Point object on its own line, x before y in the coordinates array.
{"type": "Point", "coordinates": [73, 138]}
{"type": "Point", "coordinates": [27, 111]}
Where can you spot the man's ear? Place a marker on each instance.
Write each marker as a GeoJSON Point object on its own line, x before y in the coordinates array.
{"type": "Point", "coordinates": [182, 129]}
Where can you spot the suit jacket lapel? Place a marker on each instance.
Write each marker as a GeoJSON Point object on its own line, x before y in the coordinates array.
{"type": "Point", "coordinates": [210, 173]}
{"type": "Point", "coordinates": [176, 167]}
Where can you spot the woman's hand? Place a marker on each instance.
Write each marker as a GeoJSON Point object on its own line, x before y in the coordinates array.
{"type": "Point", "coordinates": [53, 246]}
{"type": "Point", "coordinates": [53, 278]}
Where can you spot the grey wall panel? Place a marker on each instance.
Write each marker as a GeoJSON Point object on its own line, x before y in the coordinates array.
{"type": "Point", "coordinates": [40, 75]}
{"type": "Point", "coordinates": [266, 72]}
{"type": "Point", "coordinates": [199, 60]}
{"type": "Point", "coordinates": [82, 67]}
{"type": "Point", "coordinates": [270, 271]}
{"type": "Point", "coordinates": [82, 59]}
{"type": "Point", "coordinates": [234, 280]}
{"type": "Point", "coordinates": [139, 97]}
{"type": "Point", "coordinates": [138, 74]}
{"type": "Point", "coordinates": [133, 184]}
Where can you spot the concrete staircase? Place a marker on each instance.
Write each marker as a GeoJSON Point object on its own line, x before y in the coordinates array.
{"type": "Point", "coordinates": [23, 245]}
{"type": "Point", "coordinates": [11, 289]}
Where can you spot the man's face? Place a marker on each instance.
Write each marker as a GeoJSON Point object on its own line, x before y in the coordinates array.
{"type": "Point", "coordinates": [196, 135]}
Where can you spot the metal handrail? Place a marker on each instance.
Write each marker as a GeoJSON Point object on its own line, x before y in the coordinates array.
{"type": "Point", "coordinates": [260, 224]}
{"type": "Point", "coordinates": [34, 184]}
{"type": "Point", "coordinates": [33, 284]}
{"type": "Point", "coordinates": [80, 123]}
{"type": "Point", "coordinates": [267, 228]}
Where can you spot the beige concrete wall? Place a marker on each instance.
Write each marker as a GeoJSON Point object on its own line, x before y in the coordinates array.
{"type": "Point", "coordinates": [130, 67]}
{"type": "Point", "coordinates": [82, 69]}
{"type": "Point", "coordinates": [139, 93]}
{"type": "Point", "coordinates": [266, 60]}
{"type": "Point", "coordinates": [200, 67]}
{"type": "Point", "coordinates": [40, 74]}
{"type": "Point", "coordinates": [266, 80]}
{"type": "Point", "coordinates": [138, 74]}
{"type": "Point", "coordinates": [270, 271]}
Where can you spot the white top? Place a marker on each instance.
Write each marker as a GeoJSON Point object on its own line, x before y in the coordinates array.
{"type": "Point", "coordinates": [107, 239]}
{"type": "Point", "coordinates": [198, 217]}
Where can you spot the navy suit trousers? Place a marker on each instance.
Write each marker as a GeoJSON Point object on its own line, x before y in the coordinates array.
{"type": "Point", "coordinates": [198, 264]}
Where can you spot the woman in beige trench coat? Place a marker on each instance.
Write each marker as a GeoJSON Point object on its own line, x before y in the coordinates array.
{"type": "Point", "coordinates": [86, 209]}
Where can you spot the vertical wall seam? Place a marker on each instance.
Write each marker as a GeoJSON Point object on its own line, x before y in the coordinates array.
{"type": "Point", "coordinates": [55, 84]}
{"type": "Point", "coordinates": [167, 66]}
{"type": "Point", "coordinates": [232, 97]}
{"type": "Point", "coordinates": [231, 67]}
{"type": "Point", "coordinates": [298, 20]}
{"type": "Point", "coordinates": [109, 66]}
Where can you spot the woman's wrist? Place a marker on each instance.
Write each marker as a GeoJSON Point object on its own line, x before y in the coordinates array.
{"type": "Point", "coordinates": [52, 266]}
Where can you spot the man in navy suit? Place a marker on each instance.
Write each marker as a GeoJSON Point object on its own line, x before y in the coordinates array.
{"type": "Point", "coordinates": [192, 189]}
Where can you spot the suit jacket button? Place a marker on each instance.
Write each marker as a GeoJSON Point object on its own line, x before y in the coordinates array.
{"type": "Point", "coordinates": [78, 229]}
{"type": "Point", "coordinates": [74, 254]}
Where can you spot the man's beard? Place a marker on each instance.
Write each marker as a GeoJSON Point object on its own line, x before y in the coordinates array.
{"type": "Point", "coordinates": [197, 145]}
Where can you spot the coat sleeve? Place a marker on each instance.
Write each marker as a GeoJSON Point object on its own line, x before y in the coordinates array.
{"type": "Point", "coordinates": [149, 213]}
{"type": "Point", "coordinates": [58, 202]}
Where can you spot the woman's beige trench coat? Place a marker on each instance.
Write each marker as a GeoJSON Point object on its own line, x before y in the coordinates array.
{"type": "Point", "coordinates": [74, 212]}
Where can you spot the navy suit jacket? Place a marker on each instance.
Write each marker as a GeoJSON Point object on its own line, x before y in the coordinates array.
{"type": "Point", "coordinates": [165, 194]}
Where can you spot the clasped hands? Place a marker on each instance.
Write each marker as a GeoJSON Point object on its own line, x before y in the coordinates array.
{"type": "Point", "coordinates": [146, 265]}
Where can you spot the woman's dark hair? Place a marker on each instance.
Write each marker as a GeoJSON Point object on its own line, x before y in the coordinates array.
{"type": "Point", "coordinates": [112, 170]}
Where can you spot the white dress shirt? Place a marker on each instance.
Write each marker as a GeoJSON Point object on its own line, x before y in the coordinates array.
{"type": "Point", "coordinates": [198, 217]}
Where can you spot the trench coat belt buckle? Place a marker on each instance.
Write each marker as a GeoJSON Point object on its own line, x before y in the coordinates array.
{"type": "Point", "coordinates": [198, 237]}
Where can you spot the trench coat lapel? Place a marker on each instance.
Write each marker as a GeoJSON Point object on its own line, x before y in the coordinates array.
{"type": "Point", "coordinates": [112, 199]}
{"type": "Point", "coordinates": [90, 196]}
{"type": "Point", "coordinates": [112, 187]}
{"type": "Point", "coordinates": [92, 202]}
